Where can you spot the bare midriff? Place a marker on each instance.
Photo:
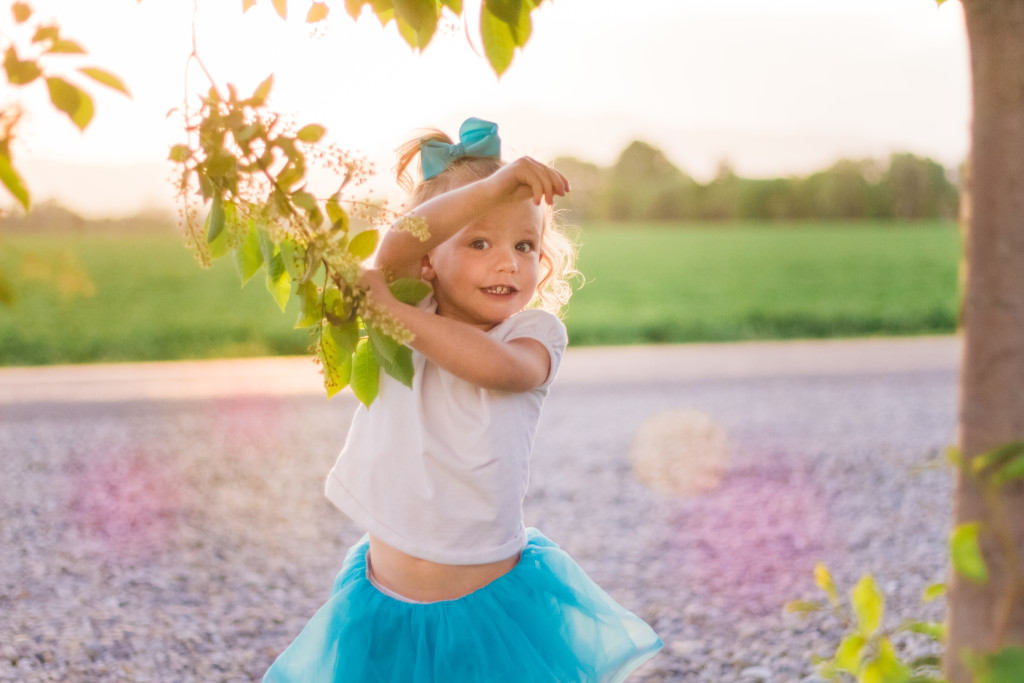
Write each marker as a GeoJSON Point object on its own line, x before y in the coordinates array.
{"type": "Point", "coordinates": [425, 581]}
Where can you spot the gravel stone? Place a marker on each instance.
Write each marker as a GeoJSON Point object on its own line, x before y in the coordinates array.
{"type": "Point", "coordinates": [190, 540]}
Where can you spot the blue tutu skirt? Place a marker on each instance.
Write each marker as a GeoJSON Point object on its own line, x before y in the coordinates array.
{"type": "Point", "coordinates": [544, 621]}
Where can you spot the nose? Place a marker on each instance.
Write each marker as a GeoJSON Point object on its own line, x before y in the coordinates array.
{"type": "Point", "coordinates": [507, 261]}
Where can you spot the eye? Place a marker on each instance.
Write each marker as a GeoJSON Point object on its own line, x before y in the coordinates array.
{"type": "Point", "coordinates": [525, 246]}
{"type": "Point", "coordinates": [479, 244]}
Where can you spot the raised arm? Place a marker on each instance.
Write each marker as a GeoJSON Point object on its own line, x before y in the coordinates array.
{"type": "Point", "coordinates": [464, 350]}
{"type": "Point", "coordinates": [401, 252]}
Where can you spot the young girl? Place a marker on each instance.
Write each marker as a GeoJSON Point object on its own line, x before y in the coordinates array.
{"type": "Point", "coordinates": [448, 585]}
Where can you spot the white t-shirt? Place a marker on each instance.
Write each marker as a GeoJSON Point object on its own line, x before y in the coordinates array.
{"type": "Point", "coordinates": [439, 471]}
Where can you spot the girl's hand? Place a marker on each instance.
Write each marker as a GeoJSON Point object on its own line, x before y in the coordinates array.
{"type": "Point", "coordinates": [527, 178]}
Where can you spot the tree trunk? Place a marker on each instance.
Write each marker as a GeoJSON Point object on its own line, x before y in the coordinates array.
{"type": "Point", "coordinates": [984, 617]}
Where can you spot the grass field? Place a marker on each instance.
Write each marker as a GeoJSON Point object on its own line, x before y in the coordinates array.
{"type": "Point", "coordinates": [645, 283]}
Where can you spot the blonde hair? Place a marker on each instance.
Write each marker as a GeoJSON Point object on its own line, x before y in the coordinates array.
{"type": "Point", "coordinates": [557, 250]}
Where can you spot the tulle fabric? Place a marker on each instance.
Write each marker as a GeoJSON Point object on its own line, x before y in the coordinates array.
{"type": "Point", "coordinates": [543, 622]}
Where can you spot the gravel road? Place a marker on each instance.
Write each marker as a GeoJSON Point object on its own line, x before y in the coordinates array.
{"type": "Point", "coordinates": [151, 537]}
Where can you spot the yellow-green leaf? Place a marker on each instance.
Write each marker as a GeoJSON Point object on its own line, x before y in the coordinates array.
{"type": "Point", "coordinates": [304, 200]}
{"type": "Point", "coordinates": [44, 33]}
{"type": "Point", "coordinates": [345, 336]}
{"type": "Point", "coordinates": [936, 590]}
{"type": "Point", "coordinates": [336, 363]}
{"type": "Point", "coordinates": [65, 46]}
{"type": "Point", "coordinates": [311, 311]}
{"type": "Point", "coordinates": [71, 100]}
{"type": "Point", "coordinates": [848, 654]}
{"type": "Point", "coordinates": [106, 78]}
{"type": "Point", "coordinates": [311, 133]}
{"type": "Point", "coordinates": [933, 629]}
{"type": "Point", "coordinates": [215, 220]}
{"type": "Point", "coordinates": [279, 283]}
{"type": "Point", "coordinates": [259, 96]}
{"type": "Point", "coordinates": [868, 604]}
{"type": "Point", "coordinates": [499, 44]}
{"type": "Point", "coordinates": [180, 153]}
{"type": "Point", "coordinates": [21, 12]}
{"type": "Point", "coordinates": [823, 579]}
{"type": "Point", "coordinates": [364, 243]}
{"type": "Point", "coordinates": [409, 290]}
{"type": "Point", "coordinates": [317, 12]}
{"type": "Point", "coordinates": [248, 255]}
{"type": "Point", "coordinates": [19, 72]}
{"type": "Point", "coordinates": [965, 552]}
{"type": "Point", "coordinates": [365, 374]}
{"type": "Point", "coordinates": [13, 182]}
{"type": "Point", "coordinates": [802, 607]}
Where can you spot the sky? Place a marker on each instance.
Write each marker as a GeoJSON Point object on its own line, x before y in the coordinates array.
{"type": "Point", "coordinates": [775, 87]}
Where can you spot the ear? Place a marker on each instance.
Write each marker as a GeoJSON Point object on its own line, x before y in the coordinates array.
{"type": "Point", "coordinates": [427, 271]}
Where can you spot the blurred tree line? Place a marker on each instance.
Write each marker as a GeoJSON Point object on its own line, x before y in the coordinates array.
{"type": "Point", "coordinates": [644, 185]}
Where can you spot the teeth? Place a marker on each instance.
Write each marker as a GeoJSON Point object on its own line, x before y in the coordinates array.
{"type": "Point", "coordinates": [499, 290]}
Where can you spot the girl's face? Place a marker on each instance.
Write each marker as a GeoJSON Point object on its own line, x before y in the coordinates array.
{"type": "Point", "coordinates": [488, 271]}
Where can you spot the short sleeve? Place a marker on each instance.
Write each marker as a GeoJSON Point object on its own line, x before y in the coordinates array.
{"type": "Point", "coordinates": [542, 326]}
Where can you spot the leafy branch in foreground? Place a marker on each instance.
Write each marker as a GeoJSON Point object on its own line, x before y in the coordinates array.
{"type": "Point", "coordinates": [249, 166]}
{"type": "Point", "coordinates": [30, 50]}
{"type": "Point", "coordinates": [866, 653]}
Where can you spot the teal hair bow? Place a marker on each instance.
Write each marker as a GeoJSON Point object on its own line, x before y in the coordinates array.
{"type": "Point", "coordinates": [477, 138]}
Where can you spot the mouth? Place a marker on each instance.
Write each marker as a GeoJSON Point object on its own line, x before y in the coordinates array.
{"type": "Point", "coordinates": [500, 290]}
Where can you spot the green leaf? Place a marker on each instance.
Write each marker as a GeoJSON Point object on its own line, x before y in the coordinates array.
{"type": "Point", "coordinates": [294, 258]}
{"type": "Point", "coordinates": [823, 579]}
{"type": "Point", "coordinates": [311, 310]}
{"type": "Point", "coordinates": [336, 309]}
{"type": "Point", "coordinates": [499, 44]}
{"type": "Point", "coordinates": [345, 336]}
{"type": "Point", "coordinates": [19, 72]}
{"type": "Point", "coordinates": [506, 10]}
{"type": "Point", "coordinates": [997, 456]}
{"type": "Point", "coordinates": [248, 255]}
{"type": "Point", "coordinates": [454, 5]}
{"type": "Point", "coordinates": [965, 552]}
{"type": "Point", "coordinates": [409, 290]}
{"type": "Point", "coordinates": [180, 153]}
{"type": "Point", "coordinates": [215, 220]}
{"type": "Point", "coordinates": [1012, 471]}
{"type": "Point", "coordinates": [364, 243]}
{"type": "Point", "coordinates": [365, 374]}
{"type": "Point", "coordinates": [262, 92]}
{"type": "Point", "coordinates": [21, 12]}
{"type": "Point", "coordinates": [868, 604]}
{"type": "Point", "coordinates": [936, 590]}
{"type": "Point", "coordinates": [279, 283]}
{"type": "Point", "coordinates": [311, 133]}
{"type": "Point", "coordinates": [305, 200]}
{"type": "Point", "coordinates": [67, 47]}
{"type": "Point", "coordinates": [848, 654]}
{"type": "Point", "coordinates": [393, 358]}
{"type": "Point", "coordinates": [106, 78]}
{"type": "Point", "coordinates": [1003, 666]}
{"type": "Point", "coordinates": [281, 7]}
{"type": "Point", "coordinates": [420, 18]}
{"type": "Point", "coordinates": [13, 181]}
{"type": "Point", "coordinates": [71, 100]}
{"type": "Point", "coordinates": [317, 12]}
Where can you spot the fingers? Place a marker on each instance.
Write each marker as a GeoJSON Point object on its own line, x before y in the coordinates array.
{"type": "Point", "coordinates": [545, 183]}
